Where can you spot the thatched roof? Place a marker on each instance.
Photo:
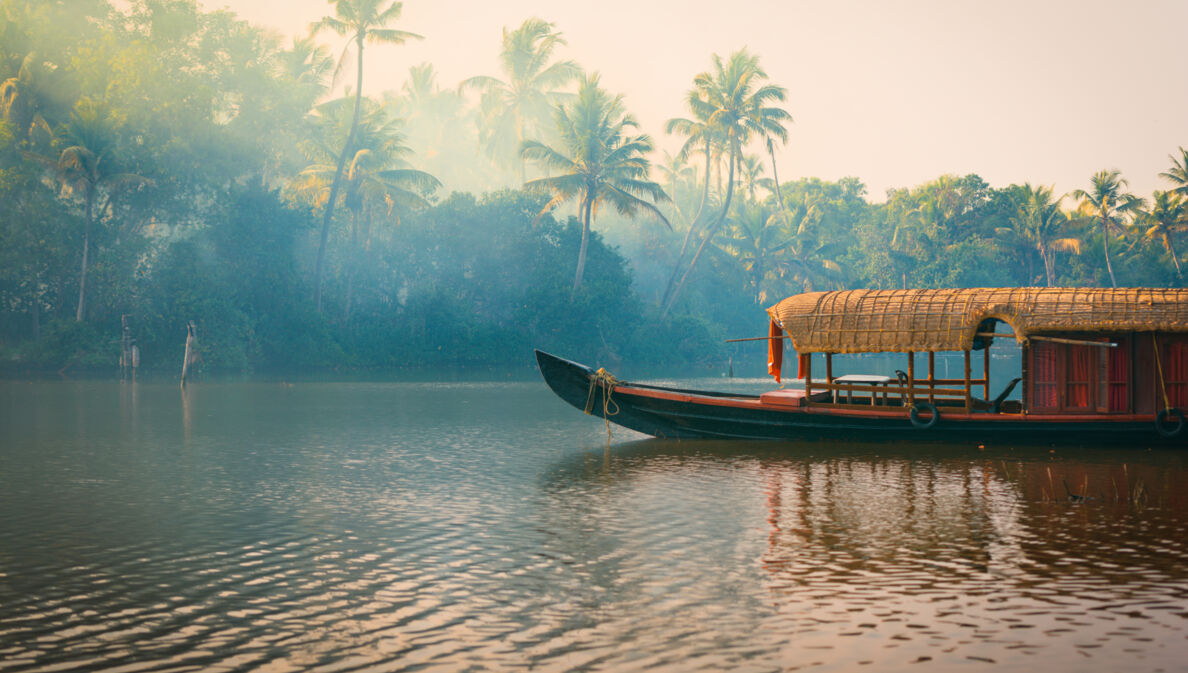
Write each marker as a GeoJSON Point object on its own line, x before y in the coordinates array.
{"type": "Point", "coordinates": [867, 321]}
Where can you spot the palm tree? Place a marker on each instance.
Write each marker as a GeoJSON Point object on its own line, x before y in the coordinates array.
{"type": "Point", "coordinates": [914, 221]}
{"type": "Point", "coordinates": [810, 258]}
{"type": "Point", "coordinates": [775, 176]}
{"type": "Point", "coordinates": [1106, 203]}
{"type": "Point", "coordinates": [302, 75]}
{"type": "Point", "coordinates": [750, 174]}
{"type": "Point", "coordinates": [700, 137]}
{"type": "Point", "coordinates": [424, 104]}
{"type": "Point", "coordinates": [733, 101]}
{"type": "Point", "coordinates": [17, 103]}
{"type": "Point", "coordinates": [86, 166]}
{"type": "Point", "coordinates": [306, 65]}
{"type": "Point", "coordinates": [365, 21]}
{"type": "Point", "coordinates": [1168, 216]}
{"type": "Point", "coordinates": [519, 108]}
{"type": "Point", "coordinates": [24, 99]}
{"type": "Point", "coordinates": [376, 175]}
{"type": "Point", "coordinates": [1040, 225]}
{"type": "Point", "coordinates": [1178, 173]}
{"type": "Point", "coordinates": [680, 177]}
{"type": "Point", "coordinates": [599, 162]}
{"type": "Point", "coordinates": [441, 130]}
{"type": "Point", "coordinates": [812, 264]}
{"type": "Point", "coordinates": [755, 238]}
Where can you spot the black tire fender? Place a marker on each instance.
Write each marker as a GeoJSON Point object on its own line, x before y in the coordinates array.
{"type": "Point", "coordinates": [914, 415]}
{"type": "Point", "coordinates": [1174, 430]}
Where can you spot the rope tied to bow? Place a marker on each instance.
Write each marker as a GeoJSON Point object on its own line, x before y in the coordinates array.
{"type": "Point", "coordinates": [605, 380]}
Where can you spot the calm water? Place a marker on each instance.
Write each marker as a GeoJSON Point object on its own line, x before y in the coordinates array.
{"type": "Point", "coordinates": [450, 527]}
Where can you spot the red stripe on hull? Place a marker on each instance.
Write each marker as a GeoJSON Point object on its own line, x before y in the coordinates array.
{"type": "Point", "coordinates": [898, 412]}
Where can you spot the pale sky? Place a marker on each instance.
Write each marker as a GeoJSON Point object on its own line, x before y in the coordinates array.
{"type": "Point", "coordinates": [895, 93]}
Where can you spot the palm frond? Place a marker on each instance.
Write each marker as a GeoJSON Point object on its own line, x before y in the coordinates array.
{"type": "Point", "coordinates": [391, 36]}
{"type": "Point", "coordinates": [330, 23]}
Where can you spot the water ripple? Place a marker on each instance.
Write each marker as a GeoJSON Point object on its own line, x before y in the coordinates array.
{"type": "Point", "coordinates": [402, 527]}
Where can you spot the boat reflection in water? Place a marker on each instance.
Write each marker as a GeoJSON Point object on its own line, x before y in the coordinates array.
{"type": "Point", "coordinates": [892, 555]}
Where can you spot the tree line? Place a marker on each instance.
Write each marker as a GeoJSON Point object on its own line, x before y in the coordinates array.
{"type": "Point", "coordinates": [160, 164]}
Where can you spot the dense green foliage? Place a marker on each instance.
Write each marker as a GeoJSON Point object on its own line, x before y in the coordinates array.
{"type": "Point", "coordinates": [160, 164]}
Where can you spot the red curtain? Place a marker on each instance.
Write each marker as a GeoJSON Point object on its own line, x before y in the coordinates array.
{"type": "Point", "coordinates": [1044, 361]}
{"type": "Point", "coordinates": [1119, 377]}
{"type": "Point", "coordinates": [1080, 373]}
{"type": "Point", "coordinates": [1176, 374]}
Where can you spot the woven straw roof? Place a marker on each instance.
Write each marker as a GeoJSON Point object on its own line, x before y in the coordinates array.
{"type": "Point", "coordinates": [867, 321]}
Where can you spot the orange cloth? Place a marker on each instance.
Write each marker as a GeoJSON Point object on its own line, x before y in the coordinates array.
{"type": "Point", "coordinates": [802, 365]}
{"type": "Point", "coordinates": [775, 350]}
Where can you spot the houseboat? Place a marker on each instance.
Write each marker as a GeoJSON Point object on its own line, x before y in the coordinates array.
{"type": "Point", "coordinates": [1097, 365]}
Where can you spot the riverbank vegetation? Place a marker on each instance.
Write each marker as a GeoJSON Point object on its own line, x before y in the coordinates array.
{"type": "Point", "coordinates": [161, 165]}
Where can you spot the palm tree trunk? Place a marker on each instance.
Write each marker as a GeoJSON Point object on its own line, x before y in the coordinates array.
{"type": "Point", "coordinates": [1048, 258]}
{"type": "Point", "coordinates": [775, 176]}
{"type": "Point", "coordinates": [1167, 242]}
{"type": "Point", "coordinates": [586, 207]}
{"type": "Point", "coordinates": [705, 186]}
{"type": "Point", "coordinates": [82, 278]}
{"type": "Point", "coordinates": [757, 271]}
{"type": "Point", "coordinates": [328, 214]}
{"type": "Point", "coordinates": [523, 168]}
{"type": "Point", "coordinates": [676, 267]}
{"type": "Point", "coordinates": [350, 266]}
{"type": "Point", "coordinates": [1105, 231]}
{"type": "Point", "coordinates": [35, 306]}
{"type": "Point", "coordinates": [704, 241]}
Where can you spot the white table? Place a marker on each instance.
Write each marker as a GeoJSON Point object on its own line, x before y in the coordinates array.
{"type": "Point", "coordinates": [863, 380]}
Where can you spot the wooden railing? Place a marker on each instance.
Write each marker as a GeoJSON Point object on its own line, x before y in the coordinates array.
{"type": "Point", "coordinates": [891, 395]}
{"type": "Point", "coordinates": [908, 394]}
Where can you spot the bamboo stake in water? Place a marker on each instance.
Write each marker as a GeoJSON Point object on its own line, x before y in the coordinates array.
{"type": "Point", "coordinates": [191, 350]}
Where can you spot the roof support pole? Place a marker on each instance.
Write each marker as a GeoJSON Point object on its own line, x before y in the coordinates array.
{"type": "Point", "coordinates": [911, 376]}
{"type": "Point", "coordinates": [931, 377]}
{"type": "Point", "coordinates": [808, 380]}
{"type": "Point", "coordinates": [968, 392]}
{"type": "Point", "coordinates": [1026, 374]}
{"type": "Point", "coordinates": [986, 372]}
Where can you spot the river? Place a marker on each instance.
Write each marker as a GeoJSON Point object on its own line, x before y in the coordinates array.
{"type": "Point", "coordinates": [487, 526]}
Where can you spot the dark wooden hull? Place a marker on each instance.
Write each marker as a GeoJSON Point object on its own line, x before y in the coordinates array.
{"type": "Point", "coordinates": [681, 414]}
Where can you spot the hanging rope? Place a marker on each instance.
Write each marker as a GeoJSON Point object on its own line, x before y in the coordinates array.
{"type": "Point", "coordinates": [1159, 367]}
{"type": "Point", "coordinates": [603, 379]}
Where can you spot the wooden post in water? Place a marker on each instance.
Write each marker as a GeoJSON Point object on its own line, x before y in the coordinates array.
{"type": "Point", "coordinates": [125, 347]}
{"type": "Point", "coordinates": [191, 350]}
{"type": "Point", "coordinates": [129, 351]}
